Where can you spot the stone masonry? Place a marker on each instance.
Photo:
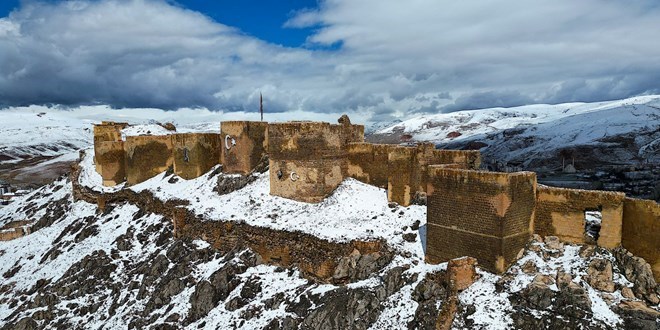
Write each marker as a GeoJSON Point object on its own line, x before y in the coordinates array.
{"type": "Point", "coordinates": [307, 160]}
{"type": "Point", "coordinates": [244, 144]}
{"type": "Point", "coordinates": [486, 215]}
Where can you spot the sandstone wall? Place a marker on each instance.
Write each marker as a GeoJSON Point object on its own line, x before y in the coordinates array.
{"type": "Point", "coordinates": [560, 212]}
{"type": "Point", "coordinates": [14, 230]}
{"type": "Point", "coordinates": [641, 231]}
{"type": "Point", "coordinates": [244, 143]}
{"type": "Point", "coordinates": [105, 152]}
{"type": "Point", "coordinates": [403, 175]}
{"type": "Point", "coordinates": [108, 131]}
{"type": "Point", "coordinates": [147, 156]}
{"type": "Point", "coordinates": [368, 162]}
{"type": "Point", "coordinates": [403, 169]}
{"type": "Point", "coordinates": [486, 215]}
{"type": "Point", "coordinates": [307, 159]}
{"type": "Point", "coordinates": [110, 159]}
{"type": "Point", "coordinates": [195, 153]}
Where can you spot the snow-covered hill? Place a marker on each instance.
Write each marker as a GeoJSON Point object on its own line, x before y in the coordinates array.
{"type": "Point", "coordinates": [39, 143]}
{"type": "Point", "coordinates": [121, 267]}
{"type": "Point", "coordinates": [617, 132]}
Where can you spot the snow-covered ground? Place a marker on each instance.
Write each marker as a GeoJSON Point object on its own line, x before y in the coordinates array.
{"type": "Point", "coordinates": [354, 211]}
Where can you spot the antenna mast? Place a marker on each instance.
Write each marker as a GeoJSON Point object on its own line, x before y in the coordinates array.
{"type": "Point", "coordinates": [261, 106]}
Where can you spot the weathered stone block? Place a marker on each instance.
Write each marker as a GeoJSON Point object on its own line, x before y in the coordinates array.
{"type": "Point", "coordinates": [641, 231]}
{"type": "Point", "coordinates": [195, 153]}
{"type": "Point", "coordinates": [307, 159]}
{"type": "Point", "coordinates": [110, 159]}
{"type": "Point", "coordinates": [147, 156]}
{"type": "Point", "coordinates": [561, 212]}
{"type": "Point", "coordinates": [485, 215]}
{"type": "Point", "coordinates": [244, 143]}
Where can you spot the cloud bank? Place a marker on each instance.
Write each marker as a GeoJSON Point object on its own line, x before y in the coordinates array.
{"type": "Point", "coordinates": [389, 58]}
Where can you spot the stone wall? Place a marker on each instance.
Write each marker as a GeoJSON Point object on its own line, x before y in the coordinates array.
{"type": "Point", "coordinates": [486, 215]}
{"type": "Point", "coordinates": [195, 153]}
{"type": "Point", "coordinates": [403, 169]}
{"type": "Point", "coordinates": [308, 160]}
{"type": "Point", "coordinates": [641, 231]}
{"type": "Point", "coordinates": [147, 156]}
{"type": "Point", "coordinates": [108, 131]}
{"type": "Point", "coordinates": [560, 212]}
{"type": "Point", "coordinates": [402, 179]}
{"type": "Point", "coordinates": [244, 143]}
{"type": "Point", "coordinates": [368, 162]}
{"type": "Point", "coordinates": [108, 152]}
{"type": "Point", "coordinates": [110, 159]}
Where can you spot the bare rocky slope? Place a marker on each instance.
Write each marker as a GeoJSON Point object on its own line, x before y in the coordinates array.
{"type": "Point", "coordinates": [120, 267]}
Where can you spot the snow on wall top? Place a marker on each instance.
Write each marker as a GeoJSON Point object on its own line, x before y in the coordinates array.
{"type": "Point", "coordinates": [354, 211]}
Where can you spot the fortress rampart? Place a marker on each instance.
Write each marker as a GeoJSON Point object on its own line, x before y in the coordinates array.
{"type": "Point", "coordinates": [487, 215]}
{"type": "Point", "coordinates": [195, 153]}
{"type": "Point", "coordinates": [641, 231]}
{"type": "Point", "coordinates": [561, 212]}
{"type": "Point", "coordinates": [244, 143]}
{"type": "Point", "coordinates": [403, 169]}
{"type": "Point", "coordinates": [307, 160]}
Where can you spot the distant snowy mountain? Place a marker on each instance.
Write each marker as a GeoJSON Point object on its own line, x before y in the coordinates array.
{"type": "Point", "coordinates": [39, 142]}
{"type": "Point", "coordinates": [617, 132]}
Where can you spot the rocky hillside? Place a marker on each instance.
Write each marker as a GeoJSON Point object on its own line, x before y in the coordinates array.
{"type": "Point", "coordinates": [536, 136]}
{"type": "Point", "coordinates": [119, 266]}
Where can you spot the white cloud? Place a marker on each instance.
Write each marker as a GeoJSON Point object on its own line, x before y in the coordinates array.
{"type": "Point", "coordinates": [396, 57]}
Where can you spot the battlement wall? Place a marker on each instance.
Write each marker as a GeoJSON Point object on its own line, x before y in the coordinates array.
{"type": "Point", "coordinates": [244, 143]}
{"type": "Point", "coordinates": [147, 156]}
{"type": "Point", "coordinates": [110, 159]}
{"type": "Point", "coordinates": [308, 160]}
{"type": "Point", "coordinates": [195, 153]}
{"type": "Point", "coordinates": [641, 231]}
{"type": "Point", "coordinates": [561, 212]}
{"type": "Point", "coordinates": [403, 169]}
{"type": "Point", "coordinates": [486, 215]}
{"type": "Point", "coordinates": [108, 131]}
{"type": "Point", "coordinates": [368, 162]}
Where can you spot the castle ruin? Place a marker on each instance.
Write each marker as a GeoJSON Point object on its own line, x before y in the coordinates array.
{"type": "Point", "coordinates": [487, 215]}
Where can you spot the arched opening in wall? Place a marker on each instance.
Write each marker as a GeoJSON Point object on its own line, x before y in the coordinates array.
{"type": "Point", "coordinates": [592, 223]}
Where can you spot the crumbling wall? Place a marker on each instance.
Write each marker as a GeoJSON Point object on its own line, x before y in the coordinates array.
{"type": "Point", "coordinates": [368, 163]}
{"type": "Point", "coordinates": [147, 156]}
{"type": "Point", "coordinates": [110, 159]}
{"type": "Point", "coordinates": [307, 159]}
{"type": "Point", "coordinates": [108, 131]}
{"type": "Point", "coordinates": [560, 212]}
{"type": "Point", "coordinates": [641, 231]}
{"type": "Point", "coordinates": [244, 143]}
{"type": "Point", "coordinates": [403, 179]}
{"type": "Point", "coordinates": [195, 153]}
{"type": "Point", "coordinates": [107, 142]}
{"type": "Point", "coordinates": [403, 169]}
{"type": "Point", "coordinates": [486, 215]}
{"type": "Point", "coordinates": [11, 233]}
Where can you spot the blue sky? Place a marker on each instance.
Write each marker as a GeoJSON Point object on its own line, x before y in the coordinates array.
{"type": "Point", "coordinates": [263, 19]}
{"type": "Point", "coordinates": [381, 59]}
